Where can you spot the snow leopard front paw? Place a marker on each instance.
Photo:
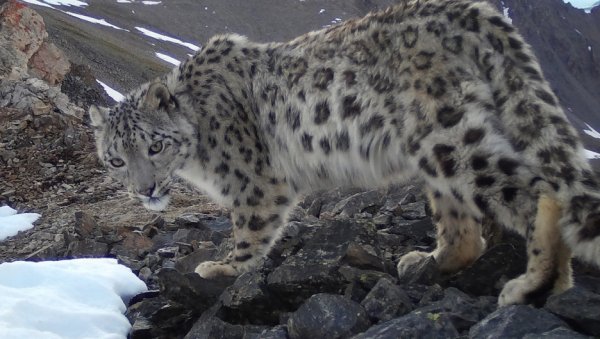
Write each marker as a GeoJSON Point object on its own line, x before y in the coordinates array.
{"type": "Point", "coordinates": [410, 259]}
{"type": "Point", "coordinates": [515, 291]}
{"type": "Point", "coordinates": [214, 269]}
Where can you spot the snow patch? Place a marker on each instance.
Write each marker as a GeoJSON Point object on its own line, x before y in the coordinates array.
{"type": "Point", "coordinates": [159, 36]}
{"type": "Point", "coordinates": [151, 2]}
{"type": "Point", "coordinates": [168, 59]}
{"type": "Point", "coordinates": [111, 92]}
{"type": "Point", "coordinates": [48, 3]}
{"type": "Point", "coordinates": [591, 132]}
{"type": "Point", "coordinates": [12, 223]}
{"type": "Point", "coordinates": [80, 298]}
{"type": "Point", "coordinates": [586, 5]}
{"type": "Point", "coordinates": [591, 154]}
{"type": "Point", "coordinates": [505, 11]}
{"type": "Point", "coordinates": [94, 20]}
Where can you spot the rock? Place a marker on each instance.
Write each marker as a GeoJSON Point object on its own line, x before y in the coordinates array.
{"type": "Point", "coordinates": [515, 322]}
{"type": "Point", "coordinates": [557, 333]}
{"type": "Point", "coordinates": [22, 32]}
{"type": "Point", "coordinates": [327, 316]}
{"type": "Point", "coordinates": [488, 274]}
{"type": "Point", "coordinates": [134, 245]}
{"type": "Point", "coordinates": [80, 85]}
{"type": "Point", "coordinates": [424, 272]}
{"type": "Point", "coordinates": [87, 248]}
{"type": "Point", "coordinates": [277, 332]}
{"type": "Point", "coordinates": [191, 290]}
{"type": "Point", "coordinates": [413, 325]}
{"type": "Point", "coordinates": [424, 295]}
{"type": "Point", "coordinates": [158, 318]}
{"type": "Point", "coordinates": [464, 311]}
{"type": "Point", "coordinates": [189, 263]}
{"type": "Point", "coordinates": [360, 202]}
{"type": "Point", "coordinates": [357, 256]}
{"type": "Point", "coordinates": [49, 64]}
{"type": "Point", "coordinates": [314, 268]}
{"type": "Point", "coordinates": [85, 224]}
{"type": "Point", "coordinates": [414, 211]}
{"type": "Point", "coordinates": [213, 327]}
{"type": "Point", "coordinates": [578, 307]}
{"type": "Point", "coordinates": [417, 230]}
{"type": "Point", "coordinates": [248, 300]}
{"type": "Point", "coordinates": [386, 301]}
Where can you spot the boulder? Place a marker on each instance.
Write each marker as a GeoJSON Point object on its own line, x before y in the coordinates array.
{"type": "Point", "coordinates": [327, 316]}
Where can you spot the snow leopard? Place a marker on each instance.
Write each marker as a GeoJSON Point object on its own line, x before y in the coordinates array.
{"type": "Point", "coordinates": [443, 91]}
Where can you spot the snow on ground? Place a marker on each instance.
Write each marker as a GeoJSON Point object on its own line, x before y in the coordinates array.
{"type": "Point", "coordinates": [591, 132]}
{"type": "Point", "coordinates": [93, 20]}
{"type": "Point", "coordinates": [505, 11]}
{"type": "Point", "coordinates": [159, 36]}
{"type": "Point", "coordinates": [80, 298]}
{"type": "Point", "coordinates": [591, 154]}
{"type": "Point", "coordinates": [11, 222]}
{"type": "Point", "coordinates": [168, 59]}
{"type": "Point", "coordinates": [49, 3]}
{"type": "Point", "coordinates": [587, 5]}
{"type": "Point", "coordinates": [111, 92]}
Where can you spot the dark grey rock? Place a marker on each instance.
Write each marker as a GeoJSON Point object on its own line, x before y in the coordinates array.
{"type": "Point", "coordinates": [413, 325]}
{"type": "Point", "coordinates": [487, 275]}
{"type": "Point", "coordinates": [189, 263]}
{"type": "Point", "coordinates": [557, 333]}
{"type": "Point", "coordinates": [425, 272]}
{"type": "Point", "coordinates": [327, 316]}
{"type": "Point", "coordinates": [158, 318]}
{"type": "Point", "coordinates": [414, 211]}
{"type": "Point", "coordinates": [590, 283]}
{"type": "Point", "coordinates": [190, 289]}
{"type": "Point", "coordinates": [314, 268]}
{"type": "Point", "coordinates": [357, 256]}
{"type": "Point", "coordinates": [248, 300]}
{"type": "Point", "coordinates": [386, 301]}
{"type": "Point", "coordinates": [87, 248]}
{"type": "Point", "coordinates": [578, 307]}
{"type": "Point", "coordinates": [515, 322]}
{"type": "Point", "coordinates": [464, 311]}
{"type": "Point", "coordinates": [328, 199]}
{"type": "Point", "coordinates": [369, 201]}
{"type": "Point", "coordinates": [417, 230]}
{"type": "Point", "coordinates": [277, 332]}
{"type": "Point", "coordinates": [213, 327]}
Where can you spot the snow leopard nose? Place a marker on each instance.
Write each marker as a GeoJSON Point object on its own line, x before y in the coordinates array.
{"type": "Point", "coordinates": [148, 191]}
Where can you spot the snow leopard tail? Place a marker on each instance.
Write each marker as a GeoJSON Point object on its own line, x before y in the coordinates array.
{"type": "Point", "coordinates": [538, 128]}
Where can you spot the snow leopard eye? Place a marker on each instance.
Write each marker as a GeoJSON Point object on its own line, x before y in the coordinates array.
{"type": "Point", "coordinates": [116, 162]}
{"type": "Point", "coordinates": [156, 147]}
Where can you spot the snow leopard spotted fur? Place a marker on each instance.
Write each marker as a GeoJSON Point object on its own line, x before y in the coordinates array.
{"type": "Point", "coordinates": [442, 90]}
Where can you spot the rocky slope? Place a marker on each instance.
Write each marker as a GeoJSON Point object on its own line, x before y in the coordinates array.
{"type": "Point", "coordinates": [331, 275]}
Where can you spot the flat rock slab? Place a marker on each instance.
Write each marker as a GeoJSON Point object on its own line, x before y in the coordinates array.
{"type": "Point", "coordinates": [578, 307]}
{"type": "Point", "coordinates": [327, 316]}
{"type": "Point", "coordinates": [416, 324]}
{"type": "Point", "coordinates": [515, 322]}
{"type": "Point", "coordinates": [386, 301]}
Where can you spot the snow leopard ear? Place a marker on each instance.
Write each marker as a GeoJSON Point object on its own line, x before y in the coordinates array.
{"type": "Point", "coordinates": [159, 97]}
{"type": "Point", "coordinates": [98, 116]}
